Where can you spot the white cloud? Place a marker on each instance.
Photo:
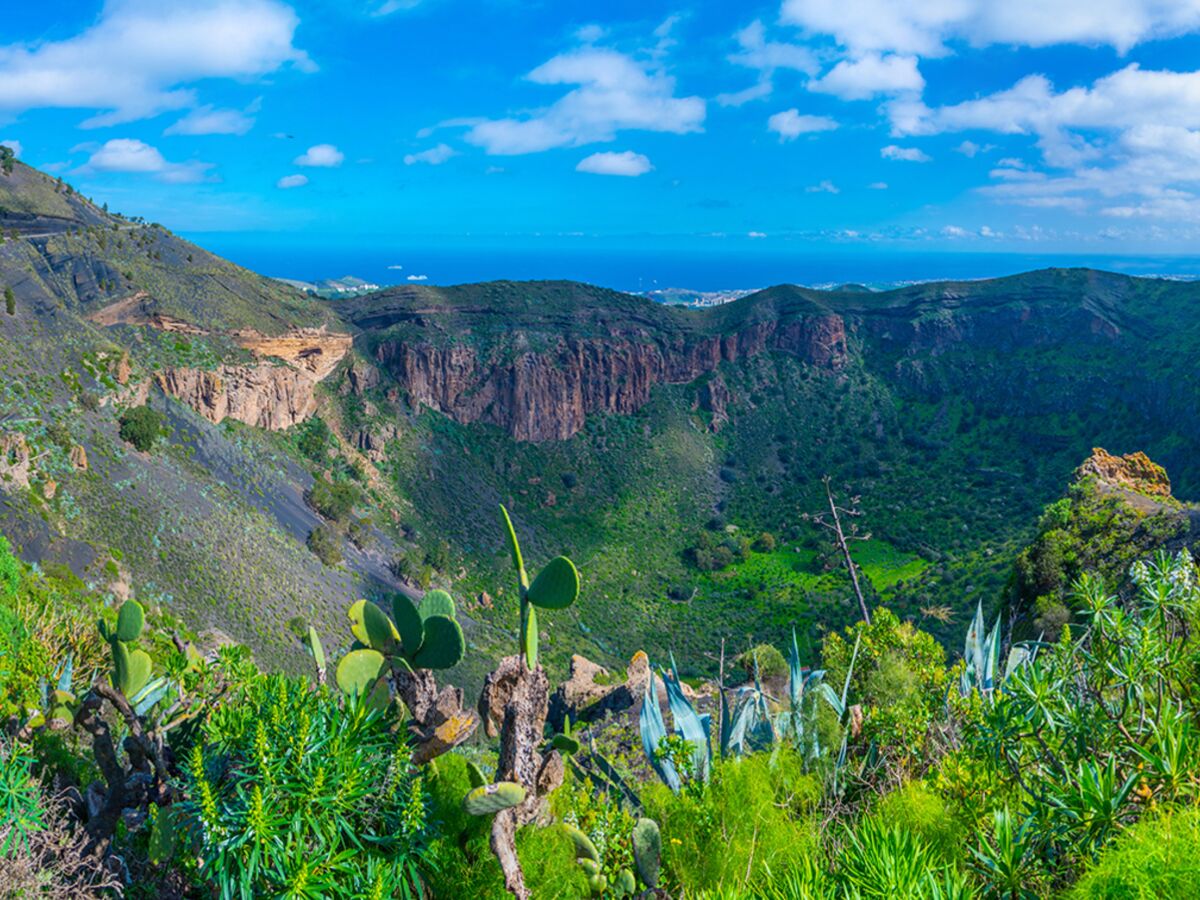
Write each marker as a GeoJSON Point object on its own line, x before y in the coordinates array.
{"type": "Point", "coordinates": [970, 149]}
{"type": "Point", "coordinates": [321, 156]}
{"type": "Point", "coordinates": [767, 57]}
{"type": "Point", "coordinates": [387, 7]}
{"type": "Point", "coordinates": [628, 164]}
{"type": "Point", "coordinates": [953, 231]}
{"type": "Point", "coordinates": [130, 155]}
{"type": "Point", "coordinates": [418, 277]}
{"type": "Point", "coordinates": [878, 186]}
{"type": "Point", "coordinates": [589, 34]}
{"type": "Point", "coordinates": [611, 92]}
{"type": "Point", "coordinates": [924, 28]}
{"type": "Point", "coordinates": [986, 232]}
{"type": "Point", "coordinates": [790, 124]}
{"type": "Point", "coordinates": [906, 154]}
{"type": "Point", "coordinates": [434, 156]}
{"type": "Point", "coordinates": [14, 146]}
{"type": "Point", "coordinates": [756, 235]}
{"type": "Point", "coordinates": [870, 74]}
{"type": "Point", "coordinates": [288, 182]}
{"type": "Point", "coordinates": [823, 187]}
{"type": "Point", "coordinates": [210, 120]}
{"type": "Point", "coordinates": [135, 60]}
{"type": "Point", "coordinates": [395, 268]}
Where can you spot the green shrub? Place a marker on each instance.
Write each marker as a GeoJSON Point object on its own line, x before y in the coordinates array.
{"type": "Point", "coordinates": [141, 426]}
{"type": "Point", "coordinates": [1158, 857]}
{"type": "Point", "coordinates": [771, 663]}
{"type": "Point", "coordinates": [10, 570]}
{"type": "Point", "coordinates": [755, 820]}
{"type": "Point", "coordinates": [10, 301]}
{"type": "Point", "coordinates": [334, 501]}
{"type": "Point", "coordinates": [325, 545]}
{"type": "Point", "coordinates": [460, 862]}
{"type": "Point", "coordinates": [288, 787]}
{"type": "Point", "coordinates": [919, 810]}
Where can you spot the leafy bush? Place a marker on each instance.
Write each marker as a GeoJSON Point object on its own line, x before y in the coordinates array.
{"type": "Point", "coordinates": [140, 426]}
{"type": "Point", "coordinates": [325, 544]}
{"type": "Point", "coordinates": [292, 793]}
{"type": "Point", "coordinates": [755, 819]}
{"type": "Point", "coordinates": [1158, 857]}
{"type": "Point", "coordinates": [333, 500]}
{"type": "Point", "coordinates": [771, 663]}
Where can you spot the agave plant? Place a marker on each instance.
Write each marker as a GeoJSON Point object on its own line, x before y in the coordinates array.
{"type": "Point", "coordinates": [982, 654]}
{"type": "Point", "coordinates": [688, 725]}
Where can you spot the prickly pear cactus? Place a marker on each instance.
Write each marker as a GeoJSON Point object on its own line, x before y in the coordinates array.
{"type": "Point", "coordinates": [401, 652]}
{"type": "Point", "coordinates": [556, 587]}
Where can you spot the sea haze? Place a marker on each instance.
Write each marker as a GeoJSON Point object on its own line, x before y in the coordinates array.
{"type": "Point", "coordinates": [746, 265]}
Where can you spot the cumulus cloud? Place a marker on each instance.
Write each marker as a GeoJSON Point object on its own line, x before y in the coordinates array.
{"type": "Point", "coordinates": [211, 120]}
{"type": "Point", "coordinates": [756, 52]}
{"type": "Point", "coordinates": [790, 124]}
{"type": "Point", "coordinates": [610, 92]}
{"type": "Point", "coordinates": [925, 28]}
{"type": "Point", "coordinates": [1128, 145]}
{"type": "Point", "coordinates": [756, 235]}
{"type": "Point", "coordinates": [434, 156]}
{"type": "Point", "coordinates": [418, 277]}
{"type": "Point", "coordinates": [287, 182]}
{"type": "Point", "coordinates": [628, 164]}
{"type": "Point", "coordinates": [135, 61]}
{"type": "Point", "coordinates": [130, 155]}
{"type": "Point", "coordinates": [321, 156]}
{"type": "Point", "coordinates": [905, 154]}
{"type": "Point", "coordinates": [871, 74]}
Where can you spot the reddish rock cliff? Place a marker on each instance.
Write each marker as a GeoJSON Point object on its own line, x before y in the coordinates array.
{"type": "Point", "coordinates": [546, 395]}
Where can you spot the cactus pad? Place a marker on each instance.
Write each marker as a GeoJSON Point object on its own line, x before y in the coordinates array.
{"type": "Point", "coordinates": [315, 648]}
{"type": "Point", "coordinates": [564, 744]}
{"type": "Point", "coordinates": [647, 850]}
{"type": "Point", "coordinates": [556, 586]}
{"type": "Point", "coordinates": [437, 603]}
{"type": "Point", "coordinates": [513, 544]}
{"type": "Point", "coordinates": [381, 634]}
{"type": "Point", "coordinates": [130, 620]}
{"type": "Point", "coordinates": [357, 671]}
{"type": "Point", "coordinates": [408, 624]}
{"type": "Point", "coordinates": [443, 647]}
{"type": "Point", "coordinates": [584, 848]}
{"type": "Point", "coordinates": [475, 775]}
{"type": "Point", "coordinates": [625, 884]}
{"type": "Point", "coordinates": [529, 637]}
{"type": "Point", "coordinates": [131, 669]}
{"type": "Point", "coordinates": [492, 798]}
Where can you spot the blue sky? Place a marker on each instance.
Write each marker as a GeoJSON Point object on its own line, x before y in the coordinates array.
{"type": "Point", "coordinates": [1056, 126]}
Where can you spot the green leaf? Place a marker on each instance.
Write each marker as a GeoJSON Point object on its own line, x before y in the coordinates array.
{"type": "Point", "coordinates": [556, 586]}
{"type": "Point", "coordinates": [529, 637]}
{"type": "Point", "coordinates": [381, 634]}
{"type": "Point", "coordinates": [513, 545]}
{"type": "Point", "coordinates": [130, 621]}
{"type": "Point", "coordinates": [437, 603]}
{"type": "Point", "coordinates": [491, 798]}
{"type": "Point", "coordinates": [358, 669]}
{"type": "Point", "coordinates": [444, 645]}
{"type": "Point", "coordinates": [408, 624]}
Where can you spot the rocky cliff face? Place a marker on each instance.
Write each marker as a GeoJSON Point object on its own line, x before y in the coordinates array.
{"type": "Point", "coordinates": [546, 395]}
{"type": "Point", "coordinates": [268, 394]}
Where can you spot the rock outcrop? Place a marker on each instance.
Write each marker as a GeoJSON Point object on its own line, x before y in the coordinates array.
{"type": "Point", "coordinates": [1134, 472]}
{"type": "Point", "coordinates": [268, 394]}
{"type": "Point", "coordinates": [547, 394]}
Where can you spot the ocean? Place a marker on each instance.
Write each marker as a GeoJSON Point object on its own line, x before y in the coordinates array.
{"type": "Point", "coordinates": [625, 267]}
